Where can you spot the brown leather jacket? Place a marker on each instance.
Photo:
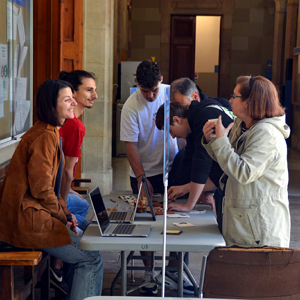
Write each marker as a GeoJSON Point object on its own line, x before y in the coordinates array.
{"type": "Point", "coordinates": [30, 215]}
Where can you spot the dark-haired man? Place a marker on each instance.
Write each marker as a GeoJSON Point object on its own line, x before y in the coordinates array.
{"type": "Point", "coordinates": [144, 142]}
{"type": "Point", "coordinates": [72, 133]}
{"type": "Point", "coordinates": [187, 122]}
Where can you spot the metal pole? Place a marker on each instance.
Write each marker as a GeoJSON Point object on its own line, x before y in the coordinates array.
{"type": "Point", "coordinates": [164, 238]}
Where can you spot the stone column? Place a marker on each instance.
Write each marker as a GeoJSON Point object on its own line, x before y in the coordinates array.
{"type": "Point", "coordinates": [98, 58]}
{"type": "Point", "coordinates": [279, 39]}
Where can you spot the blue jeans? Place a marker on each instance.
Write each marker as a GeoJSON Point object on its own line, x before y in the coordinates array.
{"type": "Point", "coordinates": [79, 208]}
{"type": "Point", "coordinates": [87, 275]}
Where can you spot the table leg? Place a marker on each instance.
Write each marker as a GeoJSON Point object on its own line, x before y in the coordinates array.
{"type": "Point", "coordinates": [123, 274]}
{"type": "Point", "coordinates": [180, 274]}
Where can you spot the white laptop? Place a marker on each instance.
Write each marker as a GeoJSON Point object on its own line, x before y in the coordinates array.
{"type": "Point", "coordinates": [107, 228]}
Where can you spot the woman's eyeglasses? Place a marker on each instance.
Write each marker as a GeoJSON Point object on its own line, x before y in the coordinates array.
{"type": "Point", "coordinates": [235, 96]}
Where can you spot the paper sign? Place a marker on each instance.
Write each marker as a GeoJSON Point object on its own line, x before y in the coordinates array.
{"type": "Point", "coordinates": [11, 21]}
{"type": "Point", "coordinates": [4, 70]}
{"type": "Point", "coordinates": [21, 114]}
{"type": "Point", "coordinates": [22, 58]}
{"type": "Point", "coordinates": [21, 30]}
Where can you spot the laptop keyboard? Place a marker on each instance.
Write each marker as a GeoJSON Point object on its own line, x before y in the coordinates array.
{"type": "Point", "coordinates": [124, 229]}
{"type": "Point", "coordinates": [117, 215]}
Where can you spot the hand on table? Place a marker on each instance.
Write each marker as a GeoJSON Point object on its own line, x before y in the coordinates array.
{"type": "Point", "coordinates": [179, 207]}
{"type": "Point", "coordinates": [177, 191]}
{"type": "Point", "coordinates": [207, 198]}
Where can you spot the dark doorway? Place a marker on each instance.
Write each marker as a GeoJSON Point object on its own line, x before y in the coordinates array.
{"type": "Point", "coordinates": [182, 56]}
{"type": "Point", "coordinates": [195, 50]}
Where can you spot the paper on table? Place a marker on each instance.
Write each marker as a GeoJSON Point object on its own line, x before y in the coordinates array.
{"type": "Point", "coordinates": [184, 224]}
{"type": "Point", "coordinates": [21, 30]}
{"type": "Point", "coordinates": [129, 199]}
{"type": "Point", "coordinates": [198, 212]}
{"type": "Point", "coordinates": [11, 21]}
{"type": "Point", "coordinates": [178, 216]}
{"type": "Point", "coordinates": [22, 58]}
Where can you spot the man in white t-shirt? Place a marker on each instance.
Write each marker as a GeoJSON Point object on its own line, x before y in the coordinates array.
{"type": "Point", "coordinates": [144, 142]}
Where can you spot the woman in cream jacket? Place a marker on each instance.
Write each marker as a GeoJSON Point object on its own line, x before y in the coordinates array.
{"type": "Point", "coordinates": [254, 162]}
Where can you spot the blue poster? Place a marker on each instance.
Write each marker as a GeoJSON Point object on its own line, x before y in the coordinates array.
{"type": "Point", "coordinates": [166, 133]}
{"type": "Point", "coordinates": [19, 2]}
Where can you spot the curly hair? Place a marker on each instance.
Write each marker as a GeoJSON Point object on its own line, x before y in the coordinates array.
{"type": "Point", "coordinates": [148, 74]}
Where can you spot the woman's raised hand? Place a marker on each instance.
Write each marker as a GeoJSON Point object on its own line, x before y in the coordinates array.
{"type": "Point", "coordinates": [220, 129]}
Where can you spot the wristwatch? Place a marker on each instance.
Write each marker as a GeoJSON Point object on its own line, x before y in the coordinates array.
{"type": "Point", "coordinates": [69, 218]}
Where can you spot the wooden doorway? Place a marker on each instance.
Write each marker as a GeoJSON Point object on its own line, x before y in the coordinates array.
{"type": "Point", "coordinates": [57, 41]}
{"type": "Point", "coordinates": [195, 50]}
{"type": "Point", "coordinates": [182, 47]}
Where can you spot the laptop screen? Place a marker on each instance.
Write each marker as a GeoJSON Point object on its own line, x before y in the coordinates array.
{"type": "Point", "coordinates": [100, 209]}
{"type": "Point", "coordinates": [150, 203]}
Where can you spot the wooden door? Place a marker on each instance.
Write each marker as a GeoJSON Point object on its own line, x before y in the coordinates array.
{"type": "Point", "coordinates": [57, 41]}
{"type": "Point", "coordinates": [182, 47]}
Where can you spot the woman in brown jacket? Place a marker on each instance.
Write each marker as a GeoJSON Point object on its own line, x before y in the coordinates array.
{"type": "Point", "coordinates": [32, 213]}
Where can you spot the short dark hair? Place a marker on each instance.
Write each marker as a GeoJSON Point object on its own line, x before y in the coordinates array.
{"type": "Point", "coordinates": [262, 97]}
{"type": "Point", "coordinates": [176, 109]}
{"type": "Point", "coordinates": [184, 86]}
{"type": "Point", "coordinates": [46, 100]}
{"type": "Point", "coordinates": [75, 77]}
{"type": "Point", "coordinates": [148, 74]}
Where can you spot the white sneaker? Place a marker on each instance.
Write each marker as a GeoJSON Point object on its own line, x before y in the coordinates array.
{"type": "Point", "coordinates": [171, 281]}
{"type": "Point", "coordinates": [151, 288]}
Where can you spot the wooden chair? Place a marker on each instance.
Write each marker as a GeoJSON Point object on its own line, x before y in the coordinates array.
{"type": "Point", "coordinates": [84, 190]}
{"type": "Point", "coordinates": [36, 268]}
{"type": "Point", "coordinates": [251, 273]}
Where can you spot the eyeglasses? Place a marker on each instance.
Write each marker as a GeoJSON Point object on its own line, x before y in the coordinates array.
{"type": "Point", "coordinates": [235, 96]}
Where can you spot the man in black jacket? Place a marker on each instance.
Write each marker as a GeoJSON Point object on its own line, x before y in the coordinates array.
{"type": "Point", "coordinates": [187, 119]}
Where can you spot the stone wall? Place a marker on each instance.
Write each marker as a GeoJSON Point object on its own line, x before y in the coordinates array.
{"type": "Point", "coordinates": [145, 30]}
{"type": "Point", "coordinates": [98, 58]}
{"type": "Point", "coordinates": [247, 30]}
{"type": "Point", "coordinates": [252, 39]}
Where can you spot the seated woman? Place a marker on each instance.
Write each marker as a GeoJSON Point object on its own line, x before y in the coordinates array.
{"type": "Point", "coordinates": [254, 161]}
{"type": "Point", "coordinates": [32, 213]}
